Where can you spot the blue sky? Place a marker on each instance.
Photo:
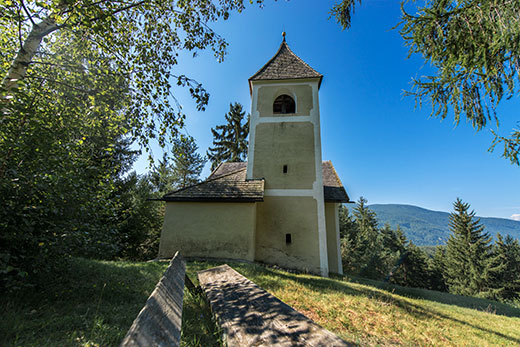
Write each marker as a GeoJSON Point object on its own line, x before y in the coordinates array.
{"type": "Point", "coordinates": [381, 146]}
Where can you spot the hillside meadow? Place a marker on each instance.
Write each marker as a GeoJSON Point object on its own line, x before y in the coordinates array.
{"type": "Point", "coordinates": [93, 303]}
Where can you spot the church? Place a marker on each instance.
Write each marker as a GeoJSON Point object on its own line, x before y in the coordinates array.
{"type": "Point", "coordinates": [281, 206]}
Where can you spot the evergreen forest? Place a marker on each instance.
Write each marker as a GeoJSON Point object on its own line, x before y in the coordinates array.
{"type": "Point", "coordinates": [469, 264]}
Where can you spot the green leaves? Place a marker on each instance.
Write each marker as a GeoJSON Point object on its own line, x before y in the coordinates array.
{"type": "Point", "coordinates": [140, 40]}
{"type": "Point", "coordinates": [475, 47]}
{"type": "Point", "coordinates": [343, 12]}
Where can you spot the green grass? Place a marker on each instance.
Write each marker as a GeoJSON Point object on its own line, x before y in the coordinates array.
{"type": "Point", "coordinates": [93, 303]}
{"type": "Point", "coordinates": [90, 303]}
{"type": "Point", "coordinates": [369, 312]}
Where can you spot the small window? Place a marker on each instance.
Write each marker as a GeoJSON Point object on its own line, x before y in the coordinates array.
{"type": "Point", "coordinates": [288, 238]}
{"type": "Point", "coordinates": [284, 104]}
{"type": "Point", "coordinates": [285, 169]}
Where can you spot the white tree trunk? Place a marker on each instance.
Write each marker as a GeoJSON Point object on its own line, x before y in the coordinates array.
{"type": "Point", "coordinates": [25, 55]}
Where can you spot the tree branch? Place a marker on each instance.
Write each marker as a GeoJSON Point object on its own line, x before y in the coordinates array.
{"type": "Point", "coordinates": [27, 13]}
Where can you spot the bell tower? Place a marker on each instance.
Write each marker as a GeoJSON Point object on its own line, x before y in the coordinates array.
{"type": "Point", "coordinates": [285, 150]}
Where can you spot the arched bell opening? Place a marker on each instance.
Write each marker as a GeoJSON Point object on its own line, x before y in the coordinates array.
{"type": "Point", "coordinates": [284, 104]}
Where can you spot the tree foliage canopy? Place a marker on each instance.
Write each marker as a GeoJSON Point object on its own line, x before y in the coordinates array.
{"type": "Point", "coordinates": [140, 40]}
{"type": "Point", "coordinates": [230, 139]}
{"type": "Point", "coordinates": [81, 80]}
{"type": "Point", "coordinates": [474, 45]}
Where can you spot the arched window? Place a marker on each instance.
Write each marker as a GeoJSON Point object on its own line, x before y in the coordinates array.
{"type": "Point", "coordinates": [284, 104]}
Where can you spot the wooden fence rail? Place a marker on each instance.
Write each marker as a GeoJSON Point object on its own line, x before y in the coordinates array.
{"type": "Point", "coordinates": [250, 316]}
{"type": "Point", "coordinates": [159, 322]}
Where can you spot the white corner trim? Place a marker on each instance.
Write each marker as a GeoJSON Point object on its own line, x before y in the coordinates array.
{"type": "Point", "coordinates": [253, 120]}
{"type": "Point", "coordinates": [318, 185]}
{"type": "Point", "coordinates": [338, 240]}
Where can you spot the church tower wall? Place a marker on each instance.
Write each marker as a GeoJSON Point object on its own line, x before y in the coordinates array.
{"type": "Point", "coordinates": [285, 150]}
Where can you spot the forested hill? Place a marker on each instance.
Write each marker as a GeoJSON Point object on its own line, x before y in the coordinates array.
{"type": "Point", "coordinates": [425, 227]}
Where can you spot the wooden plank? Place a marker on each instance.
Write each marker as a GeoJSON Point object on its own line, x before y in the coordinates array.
{"type": "Point", "coordinates": [159, 322]}
{"type": "Point", "coordinates": [250, 316]}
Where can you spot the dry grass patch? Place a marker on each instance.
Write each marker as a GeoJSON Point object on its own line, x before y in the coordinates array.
{"type": "Point", "coordinates": [368, 315]}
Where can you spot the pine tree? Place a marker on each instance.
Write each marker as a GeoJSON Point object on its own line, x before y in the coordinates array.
{"type": "Point", "coordinates": [184, 170]}
{"type": "Point", "coordinates": [230, 140]}
{"type": "Point", "coordinates": [393, 240]}
{"type": "Point", "coordinates": [508, 279]}
{"type": "Point", "coordinates": [394, 249]}
{"type": "Point", "coordinates": [413, 271]}
{"type": "Point", "coordinates": [187, 163]}
{"type": "Point", "coordinates": [469, 264]}
{"type": "Point", "coordinates": [474, 49]}
{"type": "Point", "coordinates": [437, 269]}
{"type": "Point", "coordinates": [346, 222]}
{"type": "Point", "coordinates": [367, 242]}
{"type": "Point", "coordinates": [162, 178]}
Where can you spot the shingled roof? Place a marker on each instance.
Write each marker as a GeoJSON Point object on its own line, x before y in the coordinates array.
{"type": "Point", "coordinates": [285, 65]}
{"type": "Point", "coordinates": [228, 183]}
{"type": "Point", "coordinates": [333, 189]}
{"type": "Point", "coordinates": [229, 187]}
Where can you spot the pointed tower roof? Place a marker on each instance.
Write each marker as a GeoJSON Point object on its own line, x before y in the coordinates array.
{"type": "Point", "coordinates": [285, 65]}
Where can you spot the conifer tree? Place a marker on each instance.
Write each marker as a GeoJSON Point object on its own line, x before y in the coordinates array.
{"type": "Point", "coordinates": [366, 243]}
{"type": "Point", "coordinates": [394, 252]}
{"type": "Point", "coordinates": [346, 222]}
{"type": "Point", "coordinates": [393, 240]}
{"type": "Point", "coordinates": [474, 49]}
{"type": "Point", "coordinates": [508, 279]}
{"type": "Point", "coordinates": [469, 264]}
{"type": "Point", "coordinates": [436, 268]}
{"type": "Point", "coordinates": [161, 178]}
{"type": "Point", "coordinates": [413, 271]}
{"type": "Point", "coordinates": [188, 163]}
{"type": "Point", "coordinates": [184, 170]}
{"type": "Point", "coordinates": [230, 140]}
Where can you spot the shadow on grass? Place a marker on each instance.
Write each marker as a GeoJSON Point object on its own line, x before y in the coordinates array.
{"type": "Point", "coordinates": [479, 304]}
{"type": "Point", "coordinates": [326, 285]}
{"type": "Point", "coordinates": [86, 302]}
{"type": "Point", "coordinates": [250, 316]}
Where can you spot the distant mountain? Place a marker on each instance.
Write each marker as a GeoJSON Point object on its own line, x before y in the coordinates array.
{"type": "Point", "coordinates": [425, 227]}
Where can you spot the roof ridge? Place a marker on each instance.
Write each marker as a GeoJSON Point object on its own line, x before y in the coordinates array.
{"type": "Point", "coordinates": [300, 59]}
{"type": "Point", "coordinates": [205, 181]}
{"type": "Point", "coordinates": [229, 173]}
{"type": "Point", "coordinates": [338, 180]}
{"type": "Point", "coordinates": [219, 164]}
{"type": "Point", "coordinates": [270, 60]}
{"type": "Point", "coordinates": [271, 69]}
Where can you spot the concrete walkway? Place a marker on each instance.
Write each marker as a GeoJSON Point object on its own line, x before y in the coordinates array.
{"type": "Point", "coordinates": [250, 316]}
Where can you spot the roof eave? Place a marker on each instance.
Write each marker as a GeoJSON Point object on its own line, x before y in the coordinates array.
{"type": "Point", "coordinates": [251, 80]}
{"type": "Point", "coordinates": [346, 201]}
{"type": "Point", "coordinates": [215, 199]}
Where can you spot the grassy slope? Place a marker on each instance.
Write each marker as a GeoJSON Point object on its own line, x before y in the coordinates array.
{"type": "Point", "coordinates": [362, 313]}
{"type": "Point", "coordinates": [90, 303]}
{"type": "Point", "coordinates": [77, 308]}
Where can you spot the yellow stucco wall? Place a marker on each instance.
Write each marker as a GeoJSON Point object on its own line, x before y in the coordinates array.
{"type": "Point", "coordinates": [278, 216]}
{"type": "Point", "coordinates": [302, 95]}
{"type": "Point", "coordinates": [215, 229]}
{"type": "Point", "coordinates": [285, 143]}
{"type": "Point", "coordinates": [332, 241]}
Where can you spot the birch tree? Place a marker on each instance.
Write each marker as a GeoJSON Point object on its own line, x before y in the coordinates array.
{"type": "Point", "coordinates": [142, 40]}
